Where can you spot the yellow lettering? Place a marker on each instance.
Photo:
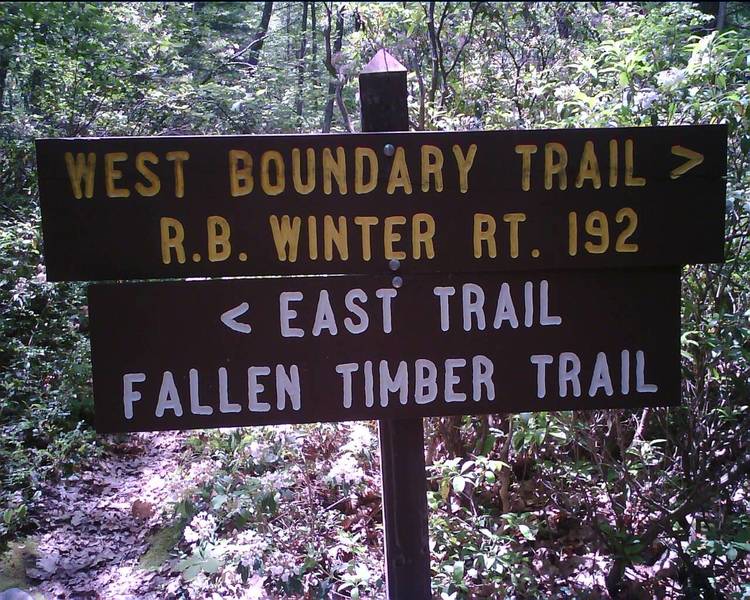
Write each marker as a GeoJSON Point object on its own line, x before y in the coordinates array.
{"type": "Point", "coordinates": [285, 236]}
{"type": "Point", "coordinates": [333, 236]}
{"type": "Point", "coordinates": [312, 237]}
{"type": "Point", "coordinates": [589, 167]}
{"type": "Point", "coordinates": [140, 165]}
{"type": "Point", "coordinates": [526, 150]}
{"type": "Point", "coordinates": [630, 179]}
{"type": "Point", "coordinates": [112, 174]}
{"type": "Point", "coordinates": [597, 225]}
{"type": "Point", "coordinates": [337, 168]}
{"type": "Point", "coordinates": [390, 237]}
{"type": "Point", "coordinates": [172, 236]}
{"type": "Point", "coordinates": [513, 219]}
{"type": "Point", "coordinates": [364, 224]}
{"type": "Point", "coordinates": [551, 167]}
{"type": "Point", "coordinates": [178, 157]}
{"type": "Point", "coordinates": [219, 247]}
{"type": "Point", "coordinates": [268, 157]}
{"type": "Point", "coordinates": [464, 164]}
{"type": "Point", "coordinates": [360, 187]}
{"type": "Point", "coordinates": [240, 177]}
{"type": "Point", "coordinates": [424, 237]}
{"type": "Point", "coordinates": [432, 164]}
{"type": "Point", "coordinates": [572, 233]}
{"type": "Point", "coordinates": [299, 187]}
{"type": "Point", "coordinates": [613, 164]}
{"type": "Point", "coordinates": [81, 169]}
{"type": "Point", "coordinates": [399, 176]}
{"type": "Point", "coordinates": [484, 231]}
{"type": "Point", "coordinates": [622, 244]}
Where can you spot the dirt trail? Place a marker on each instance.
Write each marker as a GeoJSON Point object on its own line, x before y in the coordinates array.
{"type": "Point", "coordinates": [94, 525]}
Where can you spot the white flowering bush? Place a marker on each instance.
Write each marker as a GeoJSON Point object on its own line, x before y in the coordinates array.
{"type": "Point", "coordinates": [201, 529]}
{"type": "Point", "coordinates": [290, 510]}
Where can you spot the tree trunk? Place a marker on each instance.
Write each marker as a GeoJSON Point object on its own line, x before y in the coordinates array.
{"type": "Point", "coordinates": [314, 62]}
{"type": "Point", "coordinates": [301, 65]}
{"type": "Point", "coordinates": [32, 96]}
{"type": "Point", "coordinates": [4, 62]}
{"type": "Point", "coordinates": [433, 51]}
{"type": "Point", "coordinates": [260, 35]}
{"type": "Point", "coordinates": [334, 82]}
{"type": "Point", "coordinates": [719, 12]}
{"type": "Point", "coordinates": [721, 17]}
{"type": "Point", "coordinates": [328, 111]}
{"type": "Point", "coordinates": [342, 106]}
{"type": "Point", "coordinates": [288, 32]}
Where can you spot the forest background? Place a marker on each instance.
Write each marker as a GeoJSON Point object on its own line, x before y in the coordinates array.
{"type": "Point", "coordinates": [621, 504]}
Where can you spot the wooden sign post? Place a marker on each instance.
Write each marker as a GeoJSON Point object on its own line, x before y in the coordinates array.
{"type": "Point", "coordinates": [383, 98]}
{"type": "Point", "coordinates": [475, 272]}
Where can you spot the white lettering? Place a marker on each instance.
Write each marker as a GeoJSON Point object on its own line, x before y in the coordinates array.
{"type": "Point", "coordinates": [254, 388]}
{"type": "Point", "coordinates": [569, 374]}
{"type": "Point", "coordinates": [443, 293]}
{"type": "Point", "coordinates": [399, 383]}
{"type": "Point", "coordinates": [287, 314]}
{"type": "Point", "coordinates": [346, 370]}
{"type": "Point", "coordinates": [128, 394]}
{"type": "Point", "coordinates": [452, 379]}
{"type": "Point", "coordinates": [288, 385]}
{"type": "Point", "coordinates": [541, 361]}
{"type": "Point", "coordinates": [169, 399]}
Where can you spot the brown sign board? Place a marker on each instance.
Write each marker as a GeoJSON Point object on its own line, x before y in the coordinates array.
{"type": "Point", "coordinates": [472, 201]}
{"type": "Point", "coordinates": [181, 355]}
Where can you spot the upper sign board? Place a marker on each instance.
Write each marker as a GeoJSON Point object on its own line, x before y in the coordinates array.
{"type": "Point", "coordinates": [175, 207]}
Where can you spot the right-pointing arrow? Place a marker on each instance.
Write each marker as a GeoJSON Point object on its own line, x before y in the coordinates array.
{"type": "Point", "coordinates": [693, 160]}
{"type": "Point", "coordinates": [230, 316]}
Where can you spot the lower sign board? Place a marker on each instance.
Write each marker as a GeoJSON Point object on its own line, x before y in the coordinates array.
{"type": "Point", "coordinates": [199, 354]}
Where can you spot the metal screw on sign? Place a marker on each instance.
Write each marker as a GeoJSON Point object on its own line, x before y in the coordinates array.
{"type": "Point", "coordinates": [394, 264]}
{"type": "Point", "coordinates": [382, 90]}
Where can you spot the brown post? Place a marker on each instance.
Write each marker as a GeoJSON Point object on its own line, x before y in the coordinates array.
{"type": "Point", "coordinates": [383, 95]}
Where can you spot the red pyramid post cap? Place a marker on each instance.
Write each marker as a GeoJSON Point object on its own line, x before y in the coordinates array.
{"type": "Point", "coordinates": [383, 62]}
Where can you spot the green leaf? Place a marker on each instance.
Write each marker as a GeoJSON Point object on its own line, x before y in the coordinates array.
{"type": "Point", "coordinates": [526, 532]}
{"type": "Point", "coordinates": [466, 466]}
{"type": "Point", "coordinates": [458, 571]}
{"type": "Point", "coordinates": [459, 483]}
{"type": "Point", "coordinates": [445, 489]}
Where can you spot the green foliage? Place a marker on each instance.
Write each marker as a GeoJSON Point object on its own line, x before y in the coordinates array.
{"type": "Point", "coordinates": [272, 504]}
{"type": "Point", "coordinates": [45, 382]}
{"type": "Point", "coordinates": [629, 488]}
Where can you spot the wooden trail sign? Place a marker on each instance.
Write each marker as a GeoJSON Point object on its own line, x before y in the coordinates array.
{"type": "Point", "coordinates": [175, 207]}
{"type": "Point", "coordinates": [533, 270]}
{"type": "Point", "coordinates": [182, 355]}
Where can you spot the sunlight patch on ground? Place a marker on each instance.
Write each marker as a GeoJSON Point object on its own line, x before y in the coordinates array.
{"type": "Point", "coordinates": [161, 544]}
{"type": "Point", "coordinates": [13, 565]}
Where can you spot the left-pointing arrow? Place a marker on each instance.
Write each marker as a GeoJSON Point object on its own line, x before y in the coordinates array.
{"type": "Point", "coordinates": [229, 318]}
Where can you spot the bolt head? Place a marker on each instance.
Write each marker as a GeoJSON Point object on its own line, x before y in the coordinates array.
{"type": "Point", "coordinates": [397, 281]}
{"type": "Point", "coordinates": [389, 150]}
